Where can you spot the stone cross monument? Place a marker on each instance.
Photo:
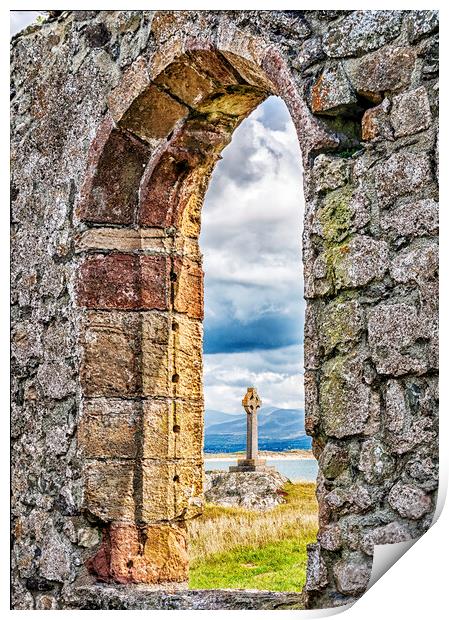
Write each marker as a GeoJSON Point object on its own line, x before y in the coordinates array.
{"type": "Point", "coordinates": [251, 403]}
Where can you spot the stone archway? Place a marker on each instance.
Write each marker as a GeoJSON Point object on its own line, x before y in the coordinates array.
{"type": "Point", "coordinates": [140, 285]}
{"type": "Point", "coordinates": [124, 121]}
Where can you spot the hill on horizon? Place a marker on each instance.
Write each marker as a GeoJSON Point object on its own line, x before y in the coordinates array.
{"type": "Point", "coordinates": [279, 429]}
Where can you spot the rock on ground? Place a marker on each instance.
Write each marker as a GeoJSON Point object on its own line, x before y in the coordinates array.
{"type": "Point", "coordinates": [255, 490]}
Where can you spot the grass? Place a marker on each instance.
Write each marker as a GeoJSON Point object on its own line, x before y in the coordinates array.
{"type": "Point", "coordinates": [239, 548]}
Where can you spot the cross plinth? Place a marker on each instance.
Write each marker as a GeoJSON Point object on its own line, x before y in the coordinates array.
{"type": "Point", "coordinates": [251, 403]}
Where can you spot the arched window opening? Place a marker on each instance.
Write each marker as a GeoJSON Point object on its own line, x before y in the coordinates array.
{"type": "Point", "coordinates": [253, 336]}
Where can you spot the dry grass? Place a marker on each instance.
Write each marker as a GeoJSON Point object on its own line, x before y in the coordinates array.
{"type": "Point", "coordinates": [221, 529]}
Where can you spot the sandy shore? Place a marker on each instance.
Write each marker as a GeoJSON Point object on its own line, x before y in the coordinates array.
{"type": "Point", "coordinates": [291, 455]}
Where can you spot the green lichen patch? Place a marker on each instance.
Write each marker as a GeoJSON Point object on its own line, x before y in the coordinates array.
{"type": "Point", "coordinates": [335, 215]}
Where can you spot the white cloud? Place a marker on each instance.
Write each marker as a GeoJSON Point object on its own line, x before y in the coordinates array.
{"type": "Point", "coordinates": [251, 241]}
{"type": "Point", "coordinates": [277, 375]}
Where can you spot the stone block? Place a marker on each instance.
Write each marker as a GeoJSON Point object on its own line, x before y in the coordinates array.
{"type": "Point", "coordinates": [109, 490]}
{"type": "Point", "coordinates": [187, 378]}
{"type": "Point", "coordinates": [410, 112]}
{"type": "Point", "coordinates": [414, 218]}
{"type": "Point", "coordinates": [409, 501]}
{"type": "Point", "coordinates": [110, 343]}
{"type": "Point", "coordinates": [156, 351]}
{"type": "Point", "coordinates": [110, 194]}
{"type": "Point", "coordinates": [401, 175]}
{"type": "Point", "coordinates": [334, 460]}
{"type": "Point", "coordinates": [375, 462]}
{"type": "Point", "coordinates": [388, 69]}
{"type": "Point", "coordinates": [385, 535]}
{"type": "Point", "coordinates": [376, 124]}
{"type": "Point", "coordinates": [332, 93]}
{"type": "Point", "coordinates": [422, 23]}
{"type": "Point", "coordinates": [188, 287]}
{"type": "Point", "coordinates": [392, 329]}
{"type": "Point", "coordinates": [123, 558]}
{"type": "Point", "coordinates": [341, 325]}
{"type": "Point", "coordinates": [188, 428]}
{"type": "Point", "coordinates": [124, 282]}
{"type": "Point", "coordinates": [360, 32]}
{"type": "Point", "coordinates": [416, 263]}
{"type": "Point", "coordinates": [124, 240]}
{"type": "Point", "coordinates": [317, 577]}
{"type": "Point", "coordinates": [183, 81]}
{"type": "Point", "coordinates": [330, 172]}
{"type": "Point", "coordinates": [352, 575]}
{"type": "Point", "coordinates": [358, 262]}
{"type": "Point", "coordinates": [108, 428]}
{"type": "Point", "coordinates": [348, 405]}
{"type": "Point", "coordinates": [329, 537]}
{"type": "Point", "coordinates": [153, 115]}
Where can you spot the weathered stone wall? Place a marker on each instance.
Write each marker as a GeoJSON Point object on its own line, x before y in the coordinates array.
{"type": "Point", "coordinates": [118, 120]}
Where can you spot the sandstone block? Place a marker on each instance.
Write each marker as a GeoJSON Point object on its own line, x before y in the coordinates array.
{"type": "Point", "coordinates": [108, 428]}
{"type": "Point", "coordinates": [111, 192]}
{"type": "Point", "coordinates": [152, 115]}
{"type": "Point", "coordinates": [171, 489]}
{"type": "Point", "coordinates": [409, 501]}
{"type": "Point", "coordinates": [156, 350]}
{"type": "Point", "coordinates": [361, 31]}
{"type": "Point", "coordinates": [183, 80]}
{"type": "Point", "coordinates": [332, 93]}
{"type": "Point", "coordinates": [123, 558]}
{"type": "Point", "coordinates": [188, 287]}
{"type": "Point", "coordinates": [187, 378]}
{"type": "Point", "coordinates": [109, 490]}
{"type": "Point", "coordinates": [110, 343]}
{"type": "Point", "coordinates": [124, 281]}
{"type": "Point", "coordinates": [410, 112]}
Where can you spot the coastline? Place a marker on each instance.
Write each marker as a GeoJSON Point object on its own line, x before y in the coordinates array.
{"type": "Point", "coordinates": [291, 455]}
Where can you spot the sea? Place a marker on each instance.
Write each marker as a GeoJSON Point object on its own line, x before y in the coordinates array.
{"type": "Point", "coordinates": [295, 469]}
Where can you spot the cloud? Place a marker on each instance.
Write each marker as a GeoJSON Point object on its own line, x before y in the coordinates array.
{"type": "Point", "coordinates": [251, 241]}
{"type": "Point", "coordinates": [278, 376]}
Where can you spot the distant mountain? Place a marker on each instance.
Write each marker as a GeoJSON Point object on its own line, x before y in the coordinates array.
{"type": "Point", "coordinates": [279, 429]}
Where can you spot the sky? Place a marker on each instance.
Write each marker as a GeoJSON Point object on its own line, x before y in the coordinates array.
{"type": "Point", "coordinates": [251, 242]}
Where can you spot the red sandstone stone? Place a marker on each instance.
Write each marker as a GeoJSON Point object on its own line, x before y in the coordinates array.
{"type": "Point", "coordinates": [129, 554]}
{"type": "Point", "coordinates": [116, 165]}
{"type": "Point", "coordinates": [189, 295]}
{"type": "Point", "coordinates": [124, 281]}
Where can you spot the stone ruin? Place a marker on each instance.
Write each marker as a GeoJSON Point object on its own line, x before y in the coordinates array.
{"type": "Point", "coordinates": [118, 120]}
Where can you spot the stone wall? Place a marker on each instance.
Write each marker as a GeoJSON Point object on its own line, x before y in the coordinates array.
{"type": "Point", "coordinates": [118, 120]}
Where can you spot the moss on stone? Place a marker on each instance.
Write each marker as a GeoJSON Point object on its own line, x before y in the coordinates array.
{"type": "Point", "coordinates": [335, 215]}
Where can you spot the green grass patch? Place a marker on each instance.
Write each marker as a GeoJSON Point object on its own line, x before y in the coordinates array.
{"type": "Point", "coordinates": [238, 548]}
